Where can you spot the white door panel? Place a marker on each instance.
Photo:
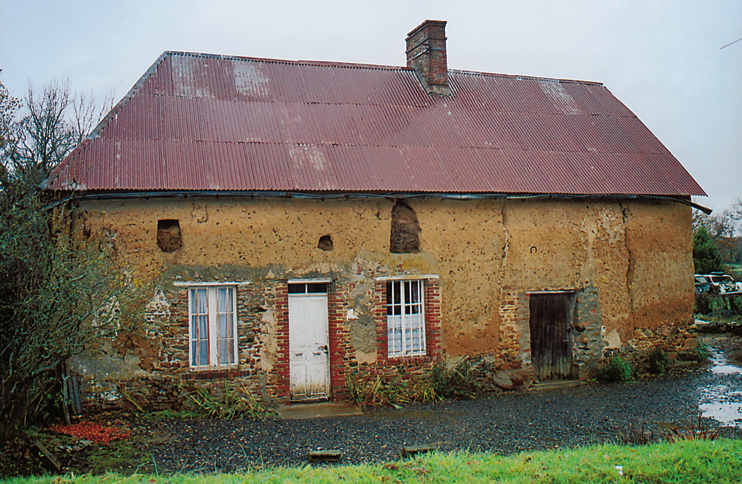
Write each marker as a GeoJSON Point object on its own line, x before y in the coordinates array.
{"type": "Point", "coordinates": [309, 347]}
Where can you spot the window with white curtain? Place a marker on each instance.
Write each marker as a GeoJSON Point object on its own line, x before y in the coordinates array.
{"type": "Point", "coordinates": [213, 326]}
{"type": "Point", "coordinates": [405, 318]}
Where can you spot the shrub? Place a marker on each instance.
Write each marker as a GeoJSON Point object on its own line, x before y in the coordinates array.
{"type": "Point", "coordinates": [392, 390]}
{"type": "Point", "coordinates": [233, 402]}
{"type": "Point", "coordinates": [658, 361]}
{"type": "Point", "coordinates": [702, 351]}
{"type": "Point", "coordinates": [462, 382]}
{"type": "Point", "coordinates": [617, 370]}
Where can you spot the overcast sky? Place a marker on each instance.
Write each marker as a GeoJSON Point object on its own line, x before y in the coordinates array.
{"type": "Point", "coordinates": [663, 59]}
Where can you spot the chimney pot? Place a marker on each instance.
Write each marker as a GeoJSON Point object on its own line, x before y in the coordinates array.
{"type": "Point", "coordinates": [426, 54]}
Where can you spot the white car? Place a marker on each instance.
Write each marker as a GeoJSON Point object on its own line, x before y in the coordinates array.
{"type": "Point", "coordinates": [720, 283]}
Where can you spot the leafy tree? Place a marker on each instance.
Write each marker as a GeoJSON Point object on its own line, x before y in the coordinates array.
{"type": "Point", "coordinates": [706, 257]}
{"type": "Point", "coordinates": [722, 229]}
{"type": "Point", "coordinates": [57, 292]}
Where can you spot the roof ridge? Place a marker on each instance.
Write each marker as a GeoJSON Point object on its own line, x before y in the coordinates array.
{"type": "Point", "coordinates": [354, 65]}
{"type": "Point", "coordinates": [524, 78]}
{"type": "Point", "coordinates": [318, 63]}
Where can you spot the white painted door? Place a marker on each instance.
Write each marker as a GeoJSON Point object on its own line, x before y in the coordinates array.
{"type": "Point", "coordinates": [309, 342]}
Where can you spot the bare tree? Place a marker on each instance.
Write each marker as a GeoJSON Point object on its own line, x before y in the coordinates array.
{"type": "Point", "coordinates": [51, 124]}
{"type": "Point", "coordinates": [717, 225]}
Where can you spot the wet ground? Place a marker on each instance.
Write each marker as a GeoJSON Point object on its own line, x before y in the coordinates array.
{"type": "Point", "coordinates": [721, 398]}
{"type": "Point", "coordinates": [505, 423]}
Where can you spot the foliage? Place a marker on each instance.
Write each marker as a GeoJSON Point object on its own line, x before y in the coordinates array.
{"type": "Point", "coordinates": [9, 105]}
{"type": "Point", "coordinates": [393, 390]}
{"type": "Point", "coordinates": [616, 371]}
{"type": "Point", "coordinates": [95, 432]}
{"type": "Point", "coordinates": [57, 293]}
{"type": "Point", "coordinates": [658, 361]}
{"type": "Point", "coordinates": [168, 414]}
{"type": "Point", "coordinates": [706, 257]}
{"type": "Point", "coordinates": [702, 351]}
{"type": "Point", "coordinates": [723, 229]}
{"type": "Point", "coordinates": [462, 382]}
{"type": "Point", "coordinates": [725, 306]}
{"type": "Point", "coordinates": [682, 461]}
{"type": "Point", "coordinates": [231, 403]}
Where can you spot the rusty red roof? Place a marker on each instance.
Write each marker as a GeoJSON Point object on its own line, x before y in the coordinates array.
{"type": "Point", "coordinates": [198, 122]}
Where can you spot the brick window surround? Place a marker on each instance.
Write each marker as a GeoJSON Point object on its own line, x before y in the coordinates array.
{"type": "Point", "coordinates": [432, 307]}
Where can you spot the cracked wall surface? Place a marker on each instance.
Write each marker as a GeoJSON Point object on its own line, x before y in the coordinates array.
{"type": "Point", "coordinates": [633, 257]}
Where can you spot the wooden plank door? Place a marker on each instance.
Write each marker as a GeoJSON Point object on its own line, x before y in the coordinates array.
{"type": "Point", "coordinates": [309, 342]}
{"type": "Point", "coordinates": [551, 336]}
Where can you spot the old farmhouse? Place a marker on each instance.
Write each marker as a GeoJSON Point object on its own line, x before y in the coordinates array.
{"type": "Point", "coordinates": [307, 223]}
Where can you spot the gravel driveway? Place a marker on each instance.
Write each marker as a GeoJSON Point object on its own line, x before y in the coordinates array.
{"type": "Point", "coordinates": [504, 423]}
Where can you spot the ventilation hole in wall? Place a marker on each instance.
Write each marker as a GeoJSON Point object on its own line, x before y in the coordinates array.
{"type": "Point", "coordinates": [325, 243]}
{"type": "Point", "coordinates": [168, 235]}
{"type": "Point", "coordinates": [405, 237]}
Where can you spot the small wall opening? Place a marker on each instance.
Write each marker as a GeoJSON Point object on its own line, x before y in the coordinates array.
{"type": "Point", "coordinates": [168, 235]}
{"type": "Point", "coordinates": [405, 236]}
{"type": "Point", "coordinates": [325, 243]}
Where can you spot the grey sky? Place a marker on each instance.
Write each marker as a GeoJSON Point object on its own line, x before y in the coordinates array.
{"type": "Point", "coordinates": [660, 58]}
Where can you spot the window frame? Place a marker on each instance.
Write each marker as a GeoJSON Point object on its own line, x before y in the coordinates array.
{"type": "Point", "coordinates": [212, 314]}
{"type": "Point", "coordinates": [405, 317]}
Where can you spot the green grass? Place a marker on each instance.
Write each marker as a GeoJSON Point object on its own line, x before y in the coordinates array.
{"type": "Point", "coordinates": [688, 461]}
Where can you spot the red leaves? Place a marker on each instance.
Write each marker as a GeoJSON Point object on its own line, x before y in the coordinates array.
{"type": "Point", "coordinates": [100, 434]}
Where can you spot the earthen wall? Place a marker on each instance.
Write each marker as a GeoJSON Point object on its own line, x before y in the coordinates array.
{"type": "Point", "coordinates": [628, 264]}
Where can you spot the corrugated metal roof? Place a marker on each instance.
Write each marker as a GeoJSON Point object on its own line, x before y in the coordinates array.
{"type": "Point", "coordinates": [205, 122]}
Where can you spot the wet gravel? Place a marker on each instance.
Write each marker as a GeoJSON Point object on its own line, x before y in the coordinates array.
{"type": "Point", "coordinates": [504, 423]}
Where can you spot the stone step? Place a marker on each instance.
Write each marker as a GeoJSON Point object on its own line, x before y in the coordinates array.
{"type": "Point", "coordinates": [297, 411]}
{"type": "Point", "coordinates": [556, 384]}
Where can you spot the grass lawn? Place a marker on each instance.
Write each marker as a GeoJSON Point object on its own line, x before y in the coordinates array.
{"type": "Point", "coordinates": [687, 461]}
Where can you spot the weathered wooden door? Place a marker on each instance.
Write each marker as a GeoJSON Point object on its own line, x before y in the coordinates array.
{"type": "Point", "coordinates": [551, 336]}
{"type": "Point", "coordinates": [308, 342]}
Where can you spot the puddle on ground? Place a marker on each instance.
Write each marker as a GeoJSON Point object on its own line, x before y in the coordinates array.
{"type": "Point", "coordinates": [719, 401]}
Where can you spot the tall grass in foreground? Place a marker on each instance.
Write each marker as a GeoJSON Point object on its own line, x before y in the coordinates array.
{"type": "Point", "coordinates": [685, 461]}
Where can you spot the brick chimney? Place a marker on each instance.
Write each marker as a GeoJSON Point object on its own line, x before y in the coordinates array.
{"type": "Point", "coordinates": [426, 53]}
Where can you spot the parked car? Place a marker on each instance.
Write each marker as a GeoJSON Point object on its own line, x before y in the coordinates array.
{"type": "Point", "coordinates": [720, 283]}
{"type": "Point", "coordinates": [702, 284]}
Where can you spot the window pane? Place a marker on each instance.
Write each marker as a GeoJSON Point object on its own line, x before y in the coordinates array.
{"type": "Point", "coordinates": [226, 352]}
{"type": "Point", "coordinates": [297, 288]}
{"type": "Point", "coordinates": [203, 302]}
{"type": "Point", "coordinates": [199, 327]}
{"type": "Point", "coordinates": [317, 288]}
{"type": "Point", "coordinates": [203, 354]}
{"type": "Point", "coordinates": [225, 325]}
{"type": "Point", "coordinates": [393, 298]}
{"type": "Point", "coordinates": [394, 334]}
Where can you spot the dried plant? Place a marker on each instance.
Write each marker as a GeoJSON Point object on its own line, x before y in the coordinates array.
{"type": "Point", "coordinates": [691, 431]}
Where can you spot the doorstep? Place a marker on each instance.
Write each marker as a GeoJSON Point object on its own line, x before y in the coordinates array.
{"type": "Point", "coordinates": [297, 411]}
{"type": "Point", "coordinates": [556, 384]}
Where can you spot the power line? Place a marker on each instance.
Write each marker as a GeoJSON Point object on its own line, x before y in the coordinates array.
{"type": "Point", "coordinates": [730, 43]}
